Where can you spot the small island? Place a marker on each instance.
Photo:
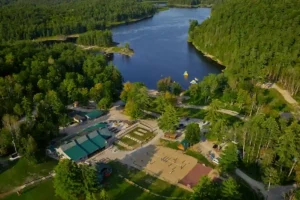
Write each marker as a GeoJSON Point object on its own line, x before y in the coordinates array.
{"type": "Point", "coordinates": [102, 40]}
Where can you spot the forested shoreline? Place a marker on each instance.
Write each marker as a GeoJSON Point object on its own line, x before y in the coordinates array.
{"type": "Point", "coordinates": [245, 44]}
{"type": "Point", "coordinates": [257, 41]}
{"type": "Point", "coordinates": [32, 19]}
{"type": "Point", "coordinates": [192, 3]}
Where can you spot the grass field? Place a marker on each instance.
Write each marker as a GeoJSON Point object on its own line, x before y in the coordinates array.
{"type": "Point", "coordinates": [22, 171]}
{"type": "Point", "coordinates": [42, 191]}
{"type": "Point", "coordinates": [128, 141]}
{"type": "Point", "coordinates": [145, 136]}
{"type": "Point", "coordinates": [117, 188]}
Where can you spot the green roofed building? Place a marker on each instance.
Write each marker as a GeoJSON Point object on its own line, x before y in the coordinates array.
{"type": "Point", "coordinates": [73, 151]}
{"type": "Point", "coordinates": [94, 114]}
{"type": "Point", "coordinates": [87, 144]}
{"type": "Point", "coordinates": [105, 133]}
{"type": "Point", "coordinates": [97, 139]}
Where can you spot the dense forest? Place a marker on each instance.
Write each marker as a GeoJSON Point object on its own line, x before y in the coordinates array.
{"type": "Point", "coordinates": [193, 2]}
{"type": "Point", "coordinates": [255, 40]}
{"type": "Point", "coordinates": [31, 18]}
{"type": "Point", "coordinates": [99, 38]}
{"type": "Point", "coordinates": [38, 81]}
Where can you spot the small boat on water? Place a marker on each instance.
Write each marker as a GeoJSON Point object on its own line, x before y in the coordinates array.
{"type": "Point", "coordinates": [185, 73]}
{"type": "Point", "coordinates": [193, 82]}
{"type": "Point", "coordinates": [196, 79]}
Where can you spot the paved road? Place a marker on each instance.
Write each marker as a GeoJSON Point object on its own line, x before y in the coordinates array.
{"type": "Point", "coordinates": [253, 183]}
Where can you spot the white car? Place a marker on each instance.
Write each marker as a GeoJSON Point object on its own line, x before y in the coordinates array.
{"type": "Point", "coordinates": [14, 156]}
{"type": "Point", "coordinates": [216, 161]}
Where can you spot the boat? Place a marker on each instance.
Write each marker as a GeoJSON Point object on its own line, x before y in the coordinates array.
{"type": "Point", "coordinates": [185, 73]}
{"type": "Point", "coordinates": [196, 79]}
{"type": "Point", "coordinates": [193, 82]}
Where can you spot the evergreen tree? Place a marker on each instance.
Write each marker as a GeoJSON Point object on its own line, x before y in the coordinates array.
{"type": "Point", "coordinates": [230, 189]}
{"type": "Point", "coordinates": [229, 159]}
{"type": "Point", "coordinates": [192, 133]}
{"type": "Point", "coordinates": [168, 120]}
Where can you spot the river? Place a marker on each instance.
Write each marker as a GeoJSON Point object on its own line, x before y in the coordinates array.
{"type": "Point", "coordinates": [161, 49]}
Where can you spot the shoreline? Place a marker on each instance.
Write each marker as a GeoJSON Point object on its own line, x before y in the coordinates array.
{"type": "Point", "coordinates": [189, 6]}
{"type": "Point", "coordinates": [76, 35]}
{"type": "Point", "coordinates": [209, 56]}
{"type": "Point", "coordinates": [108, 50]}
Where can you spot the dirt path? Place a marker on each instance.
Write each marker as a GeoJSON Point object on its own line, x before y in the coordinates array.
{"type": "Point", "coordinates": [286, 95]}
{"type": "Point", "coordinates": [20, 188]}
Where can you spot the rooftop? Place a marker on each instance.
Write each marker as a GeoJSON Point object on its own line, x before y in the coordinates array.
{"type": "Point", "coordinates": [74, 151]}
{"type": "Point", "coordinates": [94, 114]}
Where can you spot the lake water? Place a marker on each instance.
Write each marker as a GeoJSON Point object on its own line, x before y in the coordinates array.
{"type": "Point", "coordinates": [161, 49]}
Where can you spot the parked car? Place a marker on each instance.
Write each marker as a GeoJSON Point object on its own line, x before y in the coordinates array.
{"type": "Point", "coordinates": [216, 161]}
{"type": "Point", "coordinates": [14, 156]}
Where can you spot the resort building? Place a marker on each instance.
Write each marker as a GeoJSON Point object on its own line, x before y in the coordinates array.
{"type": "Point", "coordinates": [85, 146]}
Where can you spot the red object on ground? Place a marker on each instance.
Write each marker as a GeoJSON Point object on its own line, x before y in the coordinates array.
{"type": "Point", "coordinates": [193, 177]}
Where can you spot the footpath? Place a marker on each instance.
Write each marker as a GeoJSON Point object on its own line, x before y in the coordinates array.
{"type": "Point", "coordinates": [20, 188]}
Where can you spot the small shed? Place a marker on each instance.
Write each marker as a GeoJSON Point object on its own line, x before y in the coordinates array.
{"type": "Point", "coordinates": [78, 118]}
{"type": "Point", "coordinates": [184, 144]}
{"type": "Point", "coordinates": [171, 135]}
{"type": "Point", "coordinates": [75, 104]}
{"type": "Point", "coordinates": [94, 114]}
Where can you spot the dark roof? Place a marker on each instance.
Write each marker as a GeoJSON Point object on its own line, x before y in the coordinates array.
{"type": "Point", "coordinates": [286, 115]}
{"type": "Point", "coordinates": [193, 177]}
{"type": "Point", "coordinates": [97, 139]}
{"type": "Point", "coordinates": [105, 133]}
{"type": "Point", "coordinates": [185, 143]}
{"type": "Point", "coordinates": [74, 151]}
{"type": "Point", "coordinates": [94, 114]}
{"type": "Point", "coordinates": [87, 144]}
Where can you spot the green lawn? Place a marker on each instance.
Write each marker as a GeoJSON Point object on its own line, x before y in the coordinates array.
{"type": "Point", "coordinates": [169, 144]}
{"type": "Point", "coordinates": [117, 188]}
{"type": "Point", "coordinates": [128, 141]}
{"type": "Point", "coordinates": [22, 171]}
{"type": "Point", "coordinates": [42, 191]}
{"type": "Point", "coordinates": [146, 136]}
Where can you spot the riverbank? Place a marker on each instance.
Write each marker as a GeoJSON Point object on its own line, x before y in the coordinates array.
{"type": "Point", "coordinates": [62, 38]}
{"type": "Point", "coordinates": [108, 50]}
{"type": "Point", "coordinates": [190, 6]}
{"type": "Point", "coordinates": [211, 57]}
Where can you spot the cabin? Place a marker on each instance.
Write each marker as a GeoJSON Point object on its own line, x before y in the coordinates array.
{"type": "Point", "coordinates": [184, 144]}
{"type": "Point", "coordinates": [78, 118]}
{"type": "Point", "coordinates": [75, 104]}
{"type": "Point", "coordinates": [170, 135]}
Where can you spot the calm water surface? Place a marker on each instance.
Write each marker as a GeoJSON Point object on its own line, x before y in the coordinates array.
{"type": "Point", "coordinates": [161, 49]}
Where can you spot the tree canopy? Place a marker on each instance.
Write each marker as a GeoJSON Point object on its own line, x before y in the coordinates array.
{"type": "Point", "coordinates": [169, 120]}
{"type": "Point", "coordinates": [192, 133]}
{"type": "Point", "coordinates": [256, 40]}
{"type": "Point", "coordinates": [30, 19]}
{"type": "Point", "coordinates": [36, 83]}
